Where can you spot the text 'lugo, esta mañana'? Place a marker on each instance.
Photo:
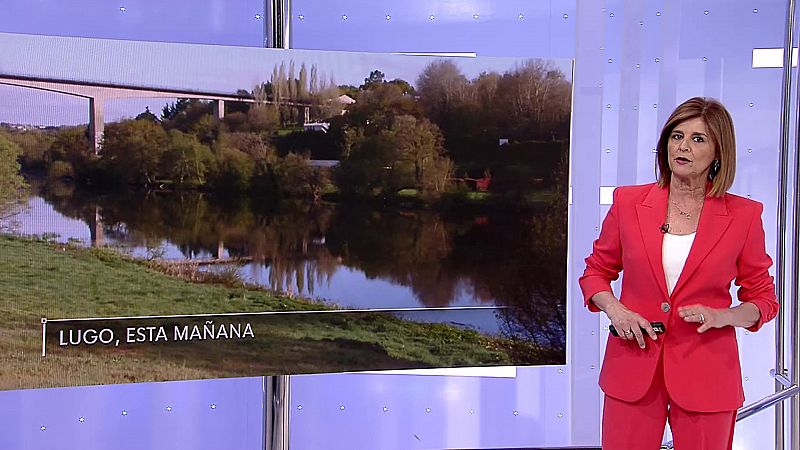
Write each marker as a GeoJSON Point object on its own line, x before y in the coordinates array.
{"type": "Point", "coordinates": [208, 331]}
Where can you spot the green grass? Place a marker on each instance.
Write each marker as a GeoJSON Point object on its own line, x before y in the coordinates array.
{"type": "Point", "coordinates": [477, 196]}
{"type": "Point", "coordinates": [43, 279]}
{"type": "Point", "coordinates": [288, 130]}
{"type": "Point", "coordinates": [408, 193]}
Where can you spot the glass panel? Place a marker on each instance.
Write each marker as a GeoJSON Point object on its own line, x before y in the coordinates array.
{"type": "Point", "coordinates": [216, 22]}
{"type": "Point", "coordinates": [635, 62]}
{"type": "Point", "coordinates": [490, 28]}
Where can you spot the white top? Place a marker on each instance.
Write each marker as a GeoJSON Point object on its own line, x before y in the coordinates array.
{"type": "Point", "coordinates": [674, 252]}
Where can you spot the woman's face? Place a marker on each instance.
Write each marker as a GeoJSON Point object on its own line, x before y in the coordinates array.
{"type": "Point", "coordinates": [691, 150]}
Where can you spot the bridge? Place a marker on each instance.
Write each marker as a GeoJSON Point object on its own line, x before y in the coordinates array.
{"type": "Point", "coordinates": [98, 93]}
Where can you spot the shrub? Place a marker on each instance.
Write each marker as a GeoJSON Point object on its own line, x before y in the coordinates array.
{"type": "Point", "coordinates": [235, 170]}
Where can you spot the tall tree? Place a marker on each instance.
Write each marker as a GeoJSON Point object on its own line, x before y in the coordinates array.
{"type": "Point", "coordinates": [314, 79]}
{"type": "Point", "coordinates": [302, 92]}
{"type": "Point", "coordinates": [441, 87]}
{"type": "Point", "coordinates": [283, 92]}
{"type": "Point", "coordinates": [275, 81]}
{"type": "Point", "coordinates": [295, 178]}
{"type": "Point", "coordinates": [538, 99]}
{"type": "Point", "coordinates": [185, 160]}
{"type": "Point", "coordinates": [485, 88]}
{"type": "Point", "coordinates": [71, 144]}
{"type": "Point", "coordinates": [292, 81]}
{"type": "Point", "coordinates": [133, 150]}
{"type": "Point", "coordinates": [261, 94]}
{"type": "Point", "coordinates": [419, 143]}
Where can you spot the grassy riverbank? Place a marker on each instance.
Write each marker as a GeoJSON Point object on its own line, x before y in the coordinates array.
{"type": "Point", "coordinates": [42, 279]}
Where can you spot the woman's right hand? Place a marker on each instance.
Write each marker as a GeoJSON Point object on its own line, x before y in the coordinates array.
{"type": "Point", "coordinates": [629, 325]}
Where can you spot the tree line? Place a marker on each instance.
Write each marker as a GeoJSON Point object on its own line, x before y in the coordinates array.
{"type": "Point", "coordinates": [511, 127]}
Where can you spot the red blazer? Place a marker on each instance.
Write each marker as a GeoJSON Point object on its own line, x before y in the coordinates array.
{"type": "Point", "coordinates": [701, 371]}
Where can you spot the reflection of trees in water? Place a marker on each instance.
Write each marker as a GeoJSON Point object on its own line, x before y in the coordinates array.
{"type": "Point", "coordinates": [537, 303]}
{"type": "Point", "coordinates": [520, 261]}
{"type": "Point", "coordinates": [408, 248]}
{"type": "Point", "coordinates": [515, 259]}
{"type": "Point", "coordinates": [302, 275]}
{"type": "Point", "coordinates": [64, 198]}
{"type": "Point", "coordinates": [289, 240]}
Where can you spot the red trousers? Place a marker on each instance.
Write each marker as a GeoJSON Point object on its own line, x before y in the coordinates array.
{"type": "Point", "coordinates": [640, 425]}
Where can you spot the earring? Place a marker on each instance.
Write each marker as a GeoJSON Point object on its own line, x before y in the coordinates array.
{"type": "Point", "coordinates": [714, 169]}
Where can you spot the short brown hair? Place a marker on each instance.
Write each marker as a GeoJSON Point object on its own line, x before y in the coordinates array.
{"type": "Point", "coordinates": [720, 128]}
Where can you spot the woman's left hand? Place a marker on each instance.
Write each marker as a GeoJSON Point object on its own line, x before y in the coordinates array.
{"type": "Point", "coordinates": [708, 318]}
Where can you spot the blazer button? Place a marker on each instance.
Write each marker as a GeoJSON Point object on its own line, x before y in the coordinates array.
{"type": "Point", "coordinates": [665, 307]}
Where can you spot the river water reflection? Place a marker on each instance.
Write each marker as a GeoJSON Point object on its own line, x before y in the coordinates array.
{"type": "Point", "coordinates": [349, 255]}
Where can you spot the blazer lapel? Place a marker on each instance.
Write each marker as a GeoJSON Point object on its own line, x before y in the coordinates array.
{"type": "Point", "coordinates": [714, 220]}
{"type": "Point", "coordinates": [651, 214]}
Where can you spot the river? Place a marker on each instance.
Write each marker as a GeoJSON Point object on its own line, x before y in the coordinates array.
{"type": "Point", "coordinates": [349, 255]}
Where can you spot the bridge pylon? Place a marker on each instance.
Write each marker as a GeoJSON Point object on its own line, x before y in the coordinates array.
{"type": "Point", "coordinates": [219, 109]}
{"type": "Point", "coordinates": [96, 123]}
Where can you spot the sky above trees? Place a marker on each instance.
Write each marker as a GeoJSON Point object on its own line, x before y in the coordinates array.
{"type": "Point", "coordinates": [183, 66]}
